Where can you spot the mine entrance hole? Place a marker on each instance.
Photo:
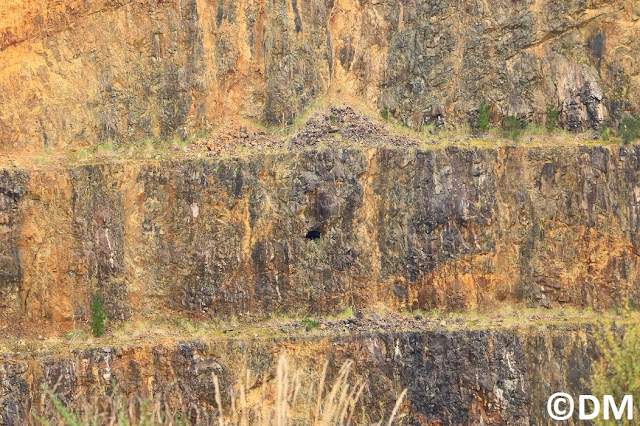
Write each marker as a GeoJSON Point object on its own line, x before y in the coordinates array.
{"type": "Point", "coordinates": [313, 234]}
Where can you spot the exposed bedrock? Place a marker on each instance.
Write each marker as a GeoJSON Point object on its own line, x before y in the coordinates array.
{"type": "Point", "coordinates": [78, 71]}
{"type": "Point", "coordinates": [451, 377]}
{"type": "Point", "coordinates": [321, 230]}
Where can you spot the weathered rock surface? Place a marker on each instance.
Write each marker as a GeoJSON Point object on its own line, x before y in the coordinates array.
{"type": "Point", "coordinates": [314, 231]}
{"type": "Point", "coordinates": [12, 187]}
{"type": "Point", "coordinates": [78, 71]}
{"type": "Point", "coordinates": [317, 231]}
{"type": "Point", "coordinates": [452, 377]}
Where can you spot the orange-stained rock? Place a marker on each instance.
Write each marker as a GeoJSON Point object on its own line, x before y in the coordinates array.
{"type": "Point", "coordinates": [452, 375]}
{"type": "Point", "coordinates": [75, 72]}
{"type": "Point", "coordinates": [319, 230]}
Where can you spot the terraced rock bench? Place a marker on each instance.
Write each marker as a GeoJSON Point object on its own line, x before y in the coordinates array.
{"type": "Point", "coordinates": [455, 371]}
{"type": "Point", "coordinates": [310, 233]}
{"type": "Point", "coordinates": [316, 231]}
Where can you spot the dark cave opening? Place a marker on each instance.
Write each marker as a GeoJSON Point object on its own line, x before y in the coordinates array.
{"type": "Point", "coordinates": [313, 234]}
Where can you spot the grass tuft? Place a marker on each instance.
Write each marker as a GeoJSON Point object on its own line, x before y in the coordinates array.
{"type": "Point", "coordinates": [282, 400]}
{"type": "Point", "coordinates": [309, 324]}
{"type": "Point", "coordinates": [552, 117]}
{"type": "Point", "coordinates": [513, 128]}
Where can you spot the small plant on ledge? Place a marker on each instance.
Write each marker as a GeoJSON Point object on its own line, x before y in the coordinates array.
{"type": "Point", "coordinates": [482, 123]}
{"type": "Point", "coordinates": [513, 128]}
{"type": "Point", "coordinates": [552, 117]}
{"type": "Point", "coordinates": [309, 324]}
{"type": "Point", "coordinates": [98, 316]}
{"type": "Point", "coordinates": [384, 113]}
{"type": "Point", "coordinates": [629, 129]}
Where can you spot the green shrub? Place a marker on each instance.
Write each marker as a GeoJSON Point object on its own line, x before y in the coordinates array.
{"type": "Point", "coordinates": [617, 373]}
{"type": "Point", "coordinates": [482, 122]}
{"type": "Point", "coordinates": [98, 316]}
{"type": "Point", "coordinates": [605, 133]}
{"type": "Point", "coordinates": [384, 112]}
{"type": "Point", "coordinates": [552, 117]}
{"type": "Point", "coordinates": [309, 324]}
{"type": "Point", "coordinates": [629, 129]}
{"type": "Point", "coordinates": [513, 128]}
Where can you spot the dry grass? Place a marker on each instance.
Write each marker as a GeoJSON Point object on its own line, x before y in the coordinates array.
{"type": "Point", "coordinates": [278, 401]}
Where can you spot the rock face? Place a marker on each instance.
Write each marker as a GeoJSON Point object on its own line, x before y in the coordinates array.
{"type": "Point", "coordinates": [451, 377]}
{"type": "Point", "coordinates": [378, 222]}
{"type": "Point", "coordinates": [12, 187]}
{"type": "Point", "coordinates": [317, 231]}
{"type": "Point", "coordinates": [78, 71]}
